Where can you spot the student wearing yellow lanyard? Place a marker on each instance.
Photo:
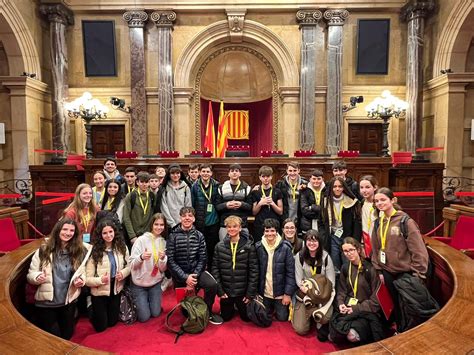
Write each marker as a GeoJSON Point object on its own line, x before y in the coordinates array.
{"type": "Point", "coordinates": [291, 186]}
{"type": "Point", "coordinates": [204, 197]}
{"type": "Point", "coordinates": [310, 261]}
{"type": "Point", "coordinates": [83, 211]}
{"type": "Point", "coordinates": [98, 190]}
{"type": "Point", "coordinates": [368, 185]}
{"type": "Point", "coordinates": [395, 255]}
{"type": "Point", "coordinates": [148, 265]}
{"type": "Point", "coordinates": [341, 218]}
{"type": "Point", "coordinates": [310, 202]}
{"type": "Point", "coordinates": [357, 304]}
{"type": "Point", "coordinates": [267, 202]}
{"type": "Point", "coordinates": [235, 269]}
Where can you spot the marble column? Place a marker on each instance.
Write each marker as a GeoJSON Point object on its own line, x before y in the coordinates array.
{"type": "Point", "coordinates": [59, 17]}
{"type": "Point", "coordinates": [136, 20]}
{"type": "Point", "coordinates": [164, 23]}
{"type": "Point", "coordinates": [308, 20]}
{"type": "Point", "coordinates": [334, 121]}
{"type": "Point", "coordinates": [414, 13]}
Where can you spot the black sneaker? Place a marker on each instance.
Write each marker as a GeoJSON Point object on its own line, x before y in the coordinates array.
{"type": "Point", "coordinates": [215, 319]}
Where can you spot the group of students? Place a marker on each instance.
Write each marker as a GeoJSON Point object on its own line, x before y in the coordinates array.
{"type": "Point", "coordinates": [318, 252]}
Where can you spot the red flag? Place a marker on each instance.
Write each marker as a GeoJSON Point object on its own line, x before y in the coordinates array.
{"type": "Point", "coordinates": [210, 141]}
{"type": "Point", "coordinates": [222, 133]}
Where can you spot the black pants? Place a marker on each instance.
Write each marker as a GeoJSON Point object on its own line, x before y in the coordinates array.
{"type": "Point", "coordinates": [211, 234]}
{"type": "Point", "coordinates": [58, 321]}
{"type": "Point", "coordinates": [208, 283]}
{"type": "Point", "coordinates": [228, 308]}
{"type": "Point", "coordinates": [105, 311]}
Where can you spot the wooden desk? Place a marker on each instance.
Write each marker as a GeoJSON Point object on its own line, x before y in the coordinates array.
{"type": "Point", "coordinates": [412, 177]}
{"type": "Point", "coordinates": [449, 331]}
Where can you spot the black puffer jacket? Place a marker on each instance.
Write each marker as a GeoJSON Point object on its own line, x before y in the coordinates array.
{"type": "Point", "coordinates": [283, 269]}
{"type": "Point", "coordinates": [186, 251]}
{"type": "Point", "coordinates": [241, 281]}
{"type": "Point", "coordinates": [226, 194]}
{"type": "Point", "coordinates": [309, 209]}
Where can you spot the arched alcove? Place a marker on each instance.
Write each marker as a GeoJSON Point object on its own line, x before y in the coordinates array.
{"type": "Point", "coordinates": [455, 39]}
{"type": "Point", "coordinates": [258, 41]}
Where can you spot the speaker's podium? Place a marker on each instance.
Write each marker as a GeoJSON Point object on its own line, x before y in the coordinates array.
{"type": "Point", "coordinates": [237, 151]}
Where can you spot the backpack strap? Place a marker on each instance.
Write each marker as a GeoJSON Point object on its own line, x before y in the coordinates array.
{"type": "Point", "coordinates": [320, 267]}
{"type": "Point", "coordinates": [133, 199]}
{"type": "Point", "coordinates": [404, 226]}
{"type": "Point", "coordinates": [167, 323]}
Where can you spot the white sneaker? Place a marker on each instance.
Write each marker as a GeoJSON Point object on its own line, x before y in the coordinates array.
{"type": "Point", "coordinates": [166, 283]}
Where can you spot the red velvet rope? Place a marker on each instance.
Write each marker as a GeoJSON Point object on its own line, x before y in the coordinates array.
{"type": "Point", "coordinates": [435, 229]}
{"type": "Point", "coordinates": [464, 193]}
{"type": "Point", "coordinates": [35, 229]}
{"type": "Point", "coordinates": [414, 194]}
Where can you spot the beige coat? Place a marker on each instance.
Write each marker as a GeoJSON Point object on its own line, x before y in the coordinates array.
{"type": "Point", "coordinates": [45, 291]}
{"type": "Point", "coordinates": [94, 277]}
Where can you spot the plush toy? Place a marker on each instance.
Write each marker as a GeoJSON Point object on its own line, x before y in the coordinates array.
{"type": "Point", "coordinates": [318, 292]}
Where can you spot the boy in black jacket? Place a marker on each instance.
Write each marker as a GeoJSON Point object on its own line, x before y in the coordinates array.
{"type": "Point", "coordinates": [235, 269]}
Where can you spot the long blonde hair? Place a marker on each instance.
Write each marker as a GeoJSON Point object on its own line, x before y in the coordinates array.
{"type": "Point", "coordinates": [78, 206]}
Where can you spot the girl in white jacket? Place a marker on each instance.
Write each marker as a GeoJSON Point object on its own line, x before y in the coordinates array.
{"type": "Point", "coordinates": [106, 272]}
{"type": "Point", "coordinates": [58, 269]}
{"type": "Point", "coordinates": [148, 264]}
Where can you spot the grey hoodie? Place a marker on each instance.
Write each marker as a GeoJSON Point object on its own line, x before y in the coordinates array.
{"type": "Point", "coordinates": [175, 198]}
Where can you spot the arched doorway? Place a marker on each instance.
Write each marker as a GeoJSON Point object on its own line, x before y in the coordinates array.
{"type": "Point", "coordinates": [239, 78]}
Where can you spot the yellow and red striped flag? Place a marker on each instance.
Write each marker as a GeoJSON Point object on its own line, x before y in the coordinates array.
{"type": "Point", "coordinates": [221, 133]}
{"type": "Point", "coordinates": [237, 124]}
{"type": "Point", "coordinates": [210, 140]}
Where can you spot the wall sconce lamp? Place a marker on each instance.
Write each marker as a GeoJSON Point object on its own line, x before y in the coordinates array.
{"type": "Point", "coordinates": [119, 104]}
{"type": "Point", "coordinates": [353, 101]}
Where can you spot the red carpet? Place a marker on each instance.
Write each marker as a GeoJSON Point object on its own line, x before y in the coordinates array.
{"type": "Point", "coordinates": [236, 337]}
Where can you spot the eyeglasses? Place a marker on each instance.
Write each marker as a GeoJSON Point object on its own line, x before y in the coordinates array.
{"type": "Point", "coordinates": [289, 227]}
{"type": "Point", "coordinates": [349, 251]}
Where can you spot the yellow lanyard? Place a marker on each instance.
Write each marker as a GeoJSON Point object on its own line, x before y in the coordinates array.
{"type": "Point", "coordinates": [383, 233]}
{"type": "Point", "coordinates": [233, 248]}
{"type": "Point", "coordinates": [313, 270]}
{"type": "Point", "coordinates": [109, 203]}
{"type": "Point", "coordinates": [293, 189]}
{"type": "Point", "coordinates": [271, 192]}
{"type": "Point", "coordinates": [210, 191]}
{"type": "Point", "coordinates": [338, 215]}
{"type": "Point", "coordinates": [317, 196]}
{"type": "Point", "coordinates": [94, 191]}
{"type": "Point", "coordinates": [356, 283]}
{"type": "Point", "coordinates": [86, 219]}
{"type": "Point", "coordinates": [145, 208]}
{"type": "Point", "coordinates": [130, 190]}
{"type": "Point", "coordinates": [237, 188]}
{"type": "Point", "coordinates": [369, 222]}
{"type": "Point", "coordinates": [153, 247]}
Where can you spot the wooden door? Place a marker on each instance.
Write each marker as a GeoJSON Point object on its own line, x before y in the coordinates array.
{"type": "Point", "coordinates": [107, 139]}
{"type": "Point", "coordinates": [366, 138]}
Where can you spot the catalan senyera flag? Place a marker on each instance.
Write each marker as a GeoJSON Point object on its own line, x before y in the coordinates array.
{"type": "Point", "coordinates": [221, 133]}
{"type": "Point", "coordinates": [210, 140]}
{"type": "Point", "coordinates": [237, 124]}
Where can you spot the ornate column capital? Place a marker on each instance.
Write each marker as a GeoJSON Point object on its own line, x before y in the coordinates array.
{"type": "Point", "coordinates": [308, 17]}
{"type": "Point", "coordinates": [57, 13]}
{"type": "Point", "coordinates": [163, 18]}
{"type": "Point", "coordinates": [236, 19]}
{"type": "Point", "coordinates": [135, 18]}
{"type": "Point", "coordinates": [417, 8]}
{"type": "Point", "coordinates": [336, 17]}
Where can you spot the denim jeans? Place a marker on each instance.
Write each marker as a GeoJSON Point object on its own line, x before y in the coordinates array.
{"type": "Point", "coordinates": [147, 300]}
{"type": "Point", "coordinates": [336, 253]}
{"type": "Point", "coordinates": [281, 312]}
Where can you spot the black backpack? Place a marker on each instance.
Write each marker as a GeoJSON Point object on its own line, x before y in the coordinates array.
{"type": "Point", "coordinates": [258, 312]}
{"type": "Point", "coordinates": [128, 309]}
{"type": "Point", "coordinates": [197, 316]}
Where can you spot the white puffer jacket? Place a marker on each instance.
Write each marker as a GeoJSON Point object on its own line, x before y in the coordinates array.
{"type": "Point", "coordinates": [45, 291]}
{"type": "Point", "coordinates": [94, 275]}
